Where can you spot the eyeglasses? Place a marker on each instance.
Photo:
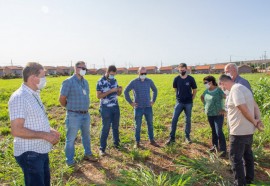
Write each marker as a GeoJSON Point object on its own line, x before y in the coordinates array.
{"type": "Point", "coordinates": [205, 82]}
{"type": "Point", "coordinates": [83, 68]}
{"type": "Point", "coordinates": [143, 73]}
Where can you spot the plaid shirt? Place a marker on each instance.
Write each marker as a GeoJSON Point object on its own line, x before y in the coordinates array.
{"type": "Point", "coordinates": [26, 103]}
{"type": "Point", "coordinates": [141, 92]}
{"type": "Point", "coordinates": [77, 93]}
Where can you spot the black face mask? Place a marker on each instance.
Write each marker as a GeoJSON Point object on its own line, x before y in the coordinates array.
{"type": "Point", "coordinates": [183, 73]}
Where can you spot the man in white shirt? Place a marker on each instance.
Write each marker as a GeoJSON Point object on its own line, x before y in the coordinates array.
{"type": "Point", "coordinates": [30, 126]}
{"type": "Point", "coordinates": [242, 125]}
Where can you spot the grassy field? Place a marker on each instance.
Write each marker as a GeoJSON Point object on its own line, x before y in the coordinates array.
{"type": "Point", "coordinates": [180, 164]}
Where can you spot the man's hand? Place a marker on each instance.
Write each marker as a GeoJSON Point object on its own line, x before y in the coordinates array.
{"type": "Point", "coordinates": [53, 137]}
{"type": "Point", "coordinates": [134, 105]}
{"type": "Point", "coordinates": [260, 126]}
{"type": "Point", "coordinates": [152, 103]}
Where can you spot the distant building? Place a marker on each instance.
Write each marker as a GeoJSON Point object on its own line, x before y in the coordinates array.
{"type": "Point", "coordinates": [152, 69]}
{"type": "Point", "coordinates": [49, 70]}
{"type": "Point", "coordinates": [1, 71]}
{"type": "Point", "coordinates": [202, 69]}
{"type": "Point", "coordinates": [101, 71]}
{"type": "Point", "coordinates": [12, 70]}
{"type": "Point", "coordinates": [92, 71]}
{"type": "Point", "coordinates": [133, 70]}
{"type": "Point", "coordinates": [63, 70]}
{"type": "Point", "coordinates": [122, 70]}
{"type": "Point", "coordinates": [166, 70]}
{"type": "Point", "coordinates": [218, 69]}
{"type": "Point", "coordinates": [244, 69]}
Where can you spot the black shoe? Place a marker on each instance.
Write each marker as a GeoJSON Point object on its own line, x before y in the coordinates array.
{"type": "Point", "coordinates": [188, 141]}
{"type": "Point", "coordinates": [213, 149]}
{"type": "Point", "coordinates": [170, 142]}
{"type": "Point", "coordinates": [152, 142]}
{"type": "Point", "coordinates": [223, 154]}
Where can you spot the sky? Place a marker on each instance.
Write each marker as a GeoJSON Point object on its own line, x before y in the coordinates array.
{"type": "Point", "coordinates": [133, 32]}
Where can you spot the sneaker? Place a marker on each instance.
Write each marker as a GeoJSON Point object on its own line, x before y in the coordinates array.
{"type": "Point", "coordinates": [137, 145]}
{"type": "Point", "coordinates": [223, 154]}
{"type": "Point", "coordinates": [102, 153]}
{"type": "Point", "coordinates": [152, 142]}
{"type": "Point", "coordinates": [170, 142]}
{"type": "Point", "coordinates": [90, 158]}
{"type": "Point", "coordinates": [188, 141]}
{"type": "Point", "coordinates": [213, 149]}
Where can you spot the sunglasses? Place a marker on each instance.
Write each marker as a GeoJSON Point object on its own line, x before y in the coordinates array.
{"type": "Point", "coordinates": [143, 73]}
{"type": "Point", "coordinates": [83, 68]}
{"type": "Point", "coordinates": [205, 82]}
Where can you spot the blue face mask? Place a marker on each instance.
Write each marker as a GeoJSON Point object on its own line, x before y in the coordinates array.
{"type": "Point", "coordinates": [111, 76]}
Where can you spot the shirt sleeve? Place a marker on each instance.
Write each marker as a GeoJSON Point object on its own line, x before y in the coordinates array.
{"type": "Point", "coordinates": [17, 108]}
{"type": "Point", "coordinates": [154, 89]}
{"type": "Point", "coordinates": [175, 82]}
{"type": "Point", "coordinates": [98, 87]}
{"type": "Point", "coordinates": [127, 90]}
{"type": "Point", "coordinates": [65, 88]}
{"type": "Point", "coordinates": [193, 83]}
{"type": "Point", "coordinates": [238, 97]}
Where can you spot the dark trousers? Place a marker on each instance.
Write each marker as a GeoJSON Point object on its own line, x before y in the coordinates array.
{"type": "Point", "coordinates": [35, 168]}
{"type": "Point", "coordinates": [218, 138]}
{"type": "Point", "coordinates": [110, 117]}
{"type": "Point", "coordinates": [241, 148]}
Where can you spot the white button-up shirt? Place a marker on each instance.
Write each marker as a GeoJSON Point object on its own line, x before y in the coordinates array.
{"type": "Point", "coordinates": [26, 104]}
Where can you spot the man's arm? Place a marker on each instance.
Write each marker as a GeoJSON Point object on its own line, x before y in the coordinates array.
{"type": "Point", "coordinates": [119, 91]}
{"type": "Point", "coordinates": [18, 130]}
{"type": "Point", "coordinates": [155, 92]}
{"type": "Point", "coordinates": [63, 100]}
{"type": "Point", "coordinates": [194, 92]}
{"type": "Point", "coordinates": [101, 95]}
{"type": "Point", "coordinates": [127, 96]}
{"type": "Point", "coordinates": [245, 111]}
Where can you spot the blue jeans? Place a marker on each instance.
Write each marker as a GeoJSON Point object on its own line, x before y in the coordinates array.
{"type": "Point", "coordinates": [74, 123]}
{"type": "Point", "coordinates": [179, 107]}
{"type": "Point", "coordinates": [35, 168]}
{"type": "Point", "coordinates": [218, 138]}
{"type": "Point", "coordinates": [148, 114]}
{"type": "Point", "coordinates": [241, 148]}
{"type": "Point", "coordinates": [110, 116]}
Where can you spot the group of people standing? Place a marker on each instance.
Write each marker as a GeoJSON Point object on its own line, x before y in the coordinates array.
{"type": "Point", "coordinates": [34, 137]}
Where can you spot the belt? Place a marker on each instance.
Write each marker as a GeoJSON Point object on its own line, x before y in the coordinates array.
{"type": "Point", "coordinates": [79, 111]}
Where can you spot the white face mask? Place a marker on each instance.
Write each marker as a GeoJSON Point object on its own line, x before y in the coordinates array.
{"type": "Point", "coordinates": [142, 77]}
{"type": "Point", "coordinates": [226, 92]}
{"type": "Point", "coordinates": [111, 76]}
{"type": "Point", "coordinates": [229, 74]}
{"type": "Point", "coordinates": [42, 83]}
{"type": "Point", "coordinates": [82, 72]}
{"type": "Point", "coordinates": [207, 86]}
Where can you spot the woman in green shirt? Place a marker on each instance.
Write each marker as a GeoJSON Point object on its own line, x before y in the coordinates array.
{"type": "Point", "coordinates": [213, 99]}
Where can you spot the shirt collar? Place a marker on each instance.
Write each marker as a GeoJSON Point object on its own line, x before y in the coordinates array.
{"type": "Point", "coordinates": [29, 90]}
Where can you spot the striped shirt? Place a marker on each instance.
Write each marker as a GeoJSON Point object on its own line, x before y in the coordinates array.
{"type": "Point", "coordinates": [77, 92]}
{"type": "Point", "coordinates": [26, 104]}
{"type": "Point", "coordinates": [141, 92]}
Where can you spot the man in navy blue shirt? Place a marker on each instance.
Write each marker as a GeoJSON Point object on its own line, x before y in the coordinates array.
{"type": "Point", "coordinates": [185, 88]}
{"type": "Point", "coordinates": [108, 91]}
{"type": "Point", "coordinates": [142, 104]}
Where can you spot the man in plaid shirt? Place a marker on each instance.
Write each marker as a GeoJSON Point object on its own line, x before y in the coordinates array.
{"type": "Point", "coordinates": [30, 126]}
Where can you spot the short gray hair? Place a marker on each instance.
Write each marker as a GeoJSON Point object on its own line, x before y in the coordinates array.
{"type": "Point", "coordinates": [31, 68]}
{"type": "Point", "coordinates": [79, 62]}
{"type": "Point", "coordinates": [233, 65]}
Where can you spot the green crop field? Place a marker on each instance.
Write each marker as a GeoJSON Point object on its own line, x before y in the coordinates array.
{"type": "Point", "coordinates": [179, 164]}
